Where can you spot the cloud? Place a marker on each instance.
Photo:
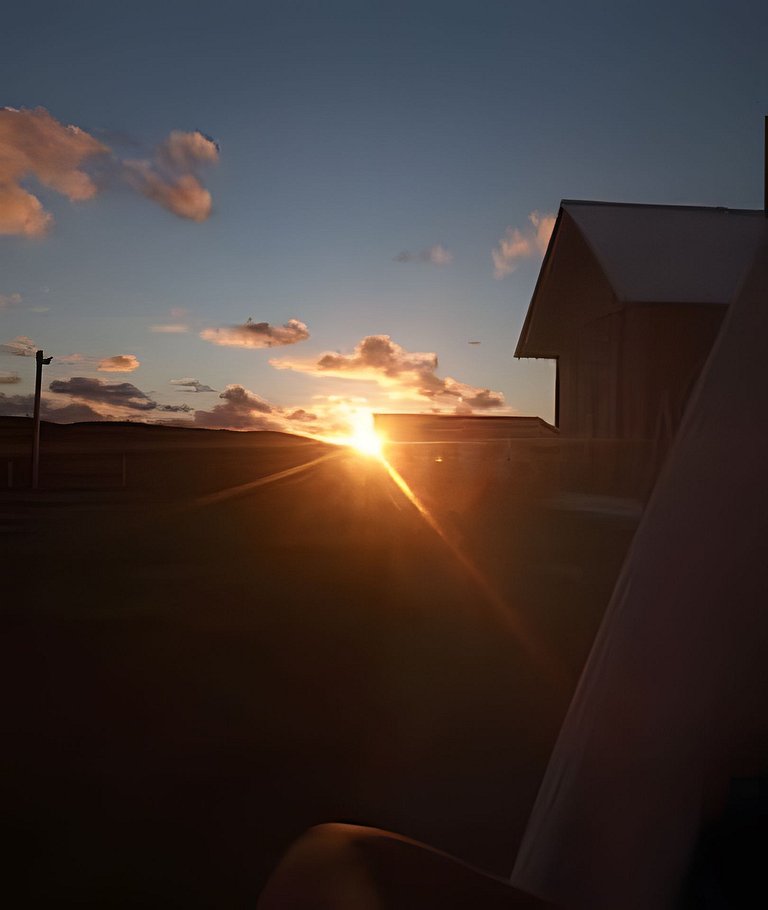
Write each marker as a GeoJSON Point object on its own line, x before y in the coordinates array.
{"type": "Point", "coordinates": [245, 410]}
{"type": "Point", "coordinates": [179, 312]}
{"type": "Point", "coordinates": [9, 300]}
{"type": "Point", "coordinates": [187, 152]}
{"type": "Point", "coordinates": [120, 363]}
{"type": "Point", "coordinates": [7, 378]}
{"type": "Point", "coordinates": [119, 394]}
{"type": "Point", "coordinates": [21, 346]}
{"type": "Point", "coordinates": [193, 385]}
{"type": "Point", "coordinates": [183, 195]}
{"type": "Point", "coordinates": [302, 415]}
{"type": "Point", "coordinates": [175, 408]}
{"type": "Point", "coordinates": [257, 334]}
{"type": "Point", "coordinates": [23, 406]}
{"type": "Point", "coordinates": [241, 410]}
{"type": "Point", "coordinates": [516, 244]}
{"type": "Point", "coordinates": [171, 178]}
{"type": "Point", "coordinates": [34, 144]}
{"type": "Point", "coordinates": [58, 156]}
{"type": "Point", "coordinates": [437, 254]}
{"type": "Point", "coordinates": [407, 374]}
{"type": "Point", "coordinates": [240, 398]}
{"type": "Point", "coordinates": [70, 358]}
{"type": "Point", "coordinates": [174, 328]}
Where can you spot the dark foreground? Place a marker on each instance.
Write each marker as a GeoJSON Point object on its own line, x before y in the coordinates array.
{"type": "Point", "coordinates": [191, 682]}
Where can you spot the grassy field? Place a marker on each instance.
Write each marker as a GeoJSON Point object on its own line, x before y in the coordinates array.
{"type": "Point", "coordinates": [202, 664]}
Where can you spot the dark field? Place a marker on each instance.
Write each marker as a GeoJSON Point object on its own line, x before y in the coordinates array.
{"type": "Point", "coordinates": [191, 681]}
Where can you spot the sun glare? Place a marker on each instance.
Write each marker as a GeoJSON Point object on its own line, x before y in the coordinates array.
{"type": "Point", "coordinates": [367, 441]}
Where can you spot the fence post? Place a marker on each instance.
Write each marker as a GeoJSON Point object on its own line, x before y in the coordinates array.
{"type": "Point", "coordinates": [124, 465]}
{"type": "Point", "coordinates": [10, 473]}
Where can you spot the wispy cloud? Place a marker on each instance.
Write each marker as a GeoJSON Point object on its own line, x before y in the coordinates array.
{"type": "Point", "coordinates": [70, 359]}
{"type": "Point", "coordinates": [171, 328]}
{"type": "Point", "coordinates": [119, 363]}
{"type": "Point", "coordinates": [406, 374]}
{"type": "Point", "coordinates": [65, 157]}
{"type": "Point", "coordinates": [177, 326]}
{"type": "Point", "coordinates": [7, 378]}
{"type": "Point", "coordinates": [9, 300]}
{"type": "Point", "coordinates": [20, 346]}
{"type": "Point", "coordinates": [519, 244]}
{"type": "Point", "coordinates": [257, 334]}
{"type": "Point", "coordinates": [436, 254]}
{"type": "Point", "coordinates": [192, 385]}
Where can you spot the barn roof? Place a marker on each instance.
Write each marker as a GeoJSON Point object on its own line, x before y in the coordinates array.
{"type": "Point", "coordinates": [647, 254]}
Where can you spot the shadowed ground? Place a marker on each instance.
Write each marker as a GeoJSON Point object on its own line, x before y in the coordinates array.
{"type": "Point", "coordinates": [191, 683]}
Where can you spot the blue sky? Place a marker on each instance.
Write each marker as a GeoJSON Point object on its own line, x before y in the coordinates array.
{"type": "Point", "coordinates": [349, 133]}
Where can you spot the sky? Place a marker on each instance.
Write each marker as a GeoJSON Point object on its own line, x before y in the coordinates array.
{"type": "Point", "coordinates": [278, 214]}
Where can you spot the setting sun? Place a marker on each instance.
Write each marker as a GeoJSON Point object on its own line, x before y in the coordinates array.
{"type": "Point", "coordinates": [364, 437]}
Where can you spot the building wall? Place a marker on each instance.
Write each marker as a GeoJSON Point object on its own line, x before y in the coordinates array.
{"type": "Point", "coordinates": [628, 374]}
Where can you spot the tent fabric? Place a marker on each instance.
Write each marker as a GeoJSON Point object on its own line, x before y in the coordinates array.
{"type": "Point", "coordinates": [673, 701]}
{"type": "Point", "coordinates": [670, 254]}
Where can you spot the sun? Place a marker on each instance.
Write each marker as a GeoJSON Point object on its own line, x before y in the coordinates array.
{"type": "Point", "coordinates": [367, 442]}
{"type": "Point", "coordinates": [364, 437]}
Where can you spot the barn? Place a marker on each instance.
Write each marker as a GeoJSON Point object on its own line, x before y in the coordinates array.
{"type": "Point", "coordinates": [629, 301]}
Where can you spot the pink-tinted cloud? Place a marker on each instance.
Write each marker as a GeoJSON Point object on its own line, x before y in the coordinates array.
{"type": "Point", "coordinates": [407, 374]}
{"type": "Point", "coordinates": [186, 153]}
{"type": "Point", "coordinates": [184, 195]}
{"type": "Point", "coordinates": [34, 144]}
{"type": "Point", "coordinates": [257, 334]}
{"type": "Point", "coordinates": [9, 300]}
{"type": "Point", "coordinates": [172, 177]}
{"type": "Point", "coordinates": [436, 254]}
{"type": "Point", "coordinates": [519, 244]}
{"type": "Point", "coordinates": [20, 346]}
{"type": "Point", "coordinates": [120, 363]}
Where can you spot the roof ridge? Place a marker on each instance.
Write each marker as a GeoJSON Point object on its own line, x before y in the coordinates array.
{"type": "Point", "coordinates": [661, 205]}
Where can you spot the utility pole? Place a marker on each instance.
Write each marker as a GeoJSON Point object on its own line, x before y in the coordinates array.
{"type": "Point", "coordinates": [40, 360]}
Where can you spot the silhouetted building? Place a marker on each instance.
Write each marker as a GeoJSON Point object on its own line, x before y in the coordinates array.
{"type": "Point", "coordinates": [629, 301]}
{"type": "Point", "coordinates": [438, 428]}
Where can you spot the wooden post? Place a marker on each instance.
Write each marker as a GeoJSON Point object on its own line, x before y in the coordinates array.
{"type": "Point", "coordinates": [10, 473]}
{"type": "Point", "coordinates": [124, 466]}
{"type": "Point", "coordinates": [40, 360]}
